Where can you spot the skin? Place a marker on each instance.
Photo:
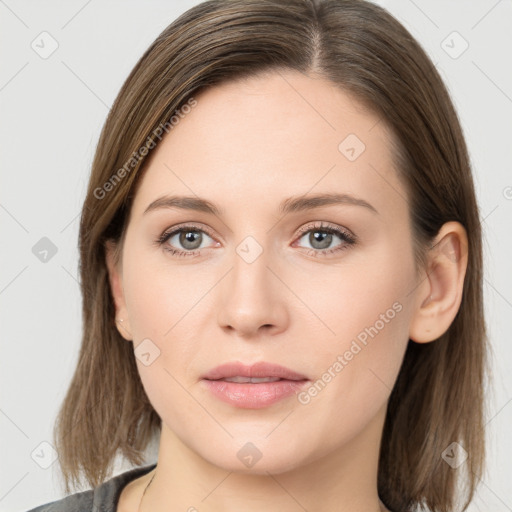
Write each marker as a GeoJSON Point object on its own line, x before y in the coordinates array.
{"type": "Point", "coordinates": [247, 146]}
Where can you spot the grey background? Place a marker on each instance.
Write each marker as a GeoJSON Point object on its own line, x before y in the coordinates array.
{"type": "Point", "coordinates": [52, 111]}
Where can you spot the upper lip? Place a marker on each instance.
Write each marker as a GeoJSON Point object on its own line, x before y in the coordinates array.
{"type": "Point", "coordinates": [259, 369]}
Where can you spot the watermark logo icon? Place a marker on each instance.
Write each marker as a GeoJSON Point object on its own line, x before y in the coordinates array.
{"type": "Point", "coordinates": [44, 250]}
{"type": "Point", "coordinates": [454, 45]}
{"type": "Point", "coordinates": [249, 249]}
{"type": "Point", "coordinates": [147, 352]}
{"type": "Point", "coordinates": [249, 454]}
{"type": "Point", "coordinates": [454, 455]}
{"type": "Point", "coordinates": [44, 45]}
{"type": "Point", "coordinates": [351, 147]}
{"type": "Point", "coordinates": [44, 455]}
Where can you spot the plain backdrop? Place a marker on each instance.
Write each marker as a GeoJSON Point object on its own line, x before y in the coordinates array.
{"type": "Point", "coordinates": [53, 108]}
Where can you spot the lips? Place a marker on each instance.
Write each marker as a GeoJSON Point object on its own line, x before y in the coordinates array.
{"type": "Point", "coordinates": [253, 387]}
{"type": "Point", "coordinates": [258, 370]}
{"type": "Point", "coordinates": [253, 380]}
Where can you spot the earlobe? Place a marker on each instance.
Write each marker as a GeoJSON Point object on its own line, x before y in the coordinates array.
{"type": "Point", "coordinates": [116, 287]}
{"type": "Point", "coordinates": [439, 296]}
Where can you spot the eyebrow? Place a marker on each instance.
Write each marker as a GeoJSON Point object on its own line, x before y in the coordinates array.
{"type": "Point", "coordinates": [289, 205]}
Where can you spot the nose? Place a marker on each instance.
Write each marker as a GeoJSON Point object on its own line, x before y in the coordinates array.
{"type": "Point", "coordinates": [252, 299]}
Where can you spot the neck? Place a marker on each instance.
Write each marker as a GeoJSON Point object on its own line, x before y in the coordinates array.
{"type": "Point", "coordinates": [342, 480]}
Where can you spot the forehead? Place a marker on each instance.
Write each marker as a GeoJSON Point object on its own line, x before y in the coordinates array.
{"type": "Point", "coordinates": [272, 136]}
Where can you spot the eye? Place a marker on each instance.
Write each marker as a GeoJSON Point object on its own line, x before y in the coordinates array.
{"type": "Point", "coordinates": [190, 238]}
{"type": "Point", "coordinates": [321, 236]}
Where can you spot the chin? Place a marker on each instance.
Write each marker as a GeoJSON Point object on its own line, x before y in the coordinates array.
{"type": "Point", "coordinates": [257, 457]}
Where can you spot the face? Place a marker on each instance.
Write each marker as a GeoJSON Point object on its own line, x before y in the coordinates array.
{"type": "Point", "coordinates": [322, 287]}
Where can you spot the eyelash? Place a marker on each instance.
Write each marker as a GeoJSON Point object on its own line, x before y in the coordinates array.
{"type": "Point", "coordinates": [345, 236]}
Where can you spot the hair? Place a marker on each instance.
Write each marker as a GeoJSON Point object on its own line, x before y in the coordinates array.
{"type": "Point", "coordinates": [438, 397]}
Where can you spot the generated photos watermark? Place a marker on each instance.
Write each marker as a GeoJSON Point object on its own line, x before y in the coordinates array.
{"type": "Point", "coordinates": [342, 360]}
{"type": "Point", "coordinates": [109, 185]}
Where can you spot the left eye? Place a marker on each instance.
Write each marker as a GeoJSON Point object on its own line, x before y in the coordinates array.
{"type": "Point", "coordinates": [188, 239]}
{"type": "Point", "coordinates": [319, 239]}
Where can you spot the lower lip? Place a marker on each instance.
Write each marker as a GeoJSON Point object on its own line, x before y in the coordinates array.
{"type": "Point", "coordinates": [254, 395]}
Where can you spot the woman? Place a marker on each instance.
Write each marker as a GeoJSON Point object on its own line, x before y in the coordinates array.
{"type": "Point", "coordinates": [281, 273]}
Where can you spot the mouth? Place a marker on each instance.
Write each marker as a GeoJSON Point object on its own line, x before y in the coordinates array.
{"type": "Point", "coordinates": [253, 387]}
{"type": "Point", "coordinates": [254, 380]}
{"type": "Point", "coordinates": [259, 370]}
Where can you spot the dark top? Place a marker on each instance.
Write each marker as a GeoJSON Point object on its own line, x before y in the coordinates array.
{"type": "Point", "coordinates": [105, 496]}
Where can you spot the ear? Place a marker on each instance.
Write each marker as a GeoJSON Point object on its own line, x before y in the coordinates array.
{"type": "Point", "coordinates": [439, 295]}
{"type": "Point", "coordinates": [113, 261]}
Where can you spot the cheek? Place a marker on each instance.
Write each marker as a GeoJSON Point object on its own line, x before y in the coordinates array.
{"type": "Point", "coordinates": [363, 317]}
{"type": "Point", "coordinates": [159, 294]}
{"type": "Point", "coordinates": [342, 302]}
{"type": "Point", "coordinates": [166, 306]}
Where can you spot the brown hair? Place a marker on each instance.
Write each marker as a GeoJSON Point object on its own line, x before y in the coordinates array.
{"type": "Point", "coordinates": [438, 397]}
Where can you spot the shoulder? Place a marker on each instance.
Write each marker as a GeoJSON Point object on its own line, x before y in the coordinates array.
{"type": "Point", "coordinates": [78, 502]}
{"type": "Point", "coordinates": [104, 497]}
